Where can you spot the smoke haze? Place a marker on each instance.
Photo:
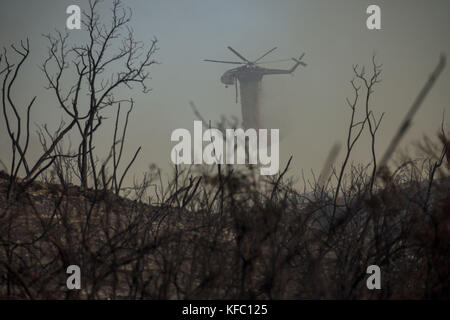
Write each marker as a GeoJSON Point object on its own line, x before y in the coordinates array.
{"type": "Point", "coordinates": [308, 108]}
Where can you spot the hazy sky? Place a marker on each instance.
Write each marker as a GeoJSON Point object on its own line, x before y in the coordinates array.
{"type": "Point", "coordinates": [309, 107]}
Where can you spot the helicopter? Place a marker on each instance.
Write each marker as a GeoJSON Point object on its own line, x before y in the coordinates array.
{"type": "Point", "coordinates": [250, 71]}
{"type": "Point", "coordinates": [249, 75]}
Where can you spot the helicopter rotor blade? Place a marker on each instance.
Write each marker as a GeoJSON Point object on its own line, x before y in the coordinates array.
{"type": "Point", "coordinates": [220, 61]}
{"type": "Point", "coordinates": [274, 61]}
{"type": "Point", "coordinates": [237, 53]}
{"type": "Point", "coordinates": [265, 54]}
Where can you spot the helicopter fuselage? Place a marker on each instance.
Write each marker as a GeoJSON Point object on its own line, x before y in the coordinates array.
{"type": "Point", "coordinates": [243, 74]}
{"type": "Point", "coordinates": [253, 73]}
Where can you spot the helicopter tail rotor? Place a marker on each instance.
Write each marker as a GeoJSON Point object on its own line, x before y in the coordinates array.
{"type": "Point", "coordinates": [299, 60]}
